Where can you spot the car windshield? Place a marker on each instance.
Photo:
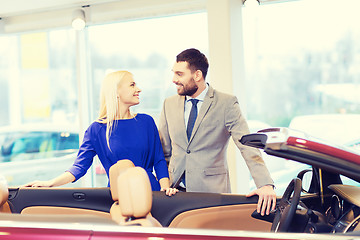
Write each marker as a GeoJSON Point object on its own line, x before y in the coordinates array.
{"type": "Point", "coordinates": [348, 181]}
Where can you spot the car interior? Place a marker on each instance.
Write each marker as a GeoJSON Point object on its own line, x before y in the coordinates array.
{"type": "Point", "coordinates": [120, 204]}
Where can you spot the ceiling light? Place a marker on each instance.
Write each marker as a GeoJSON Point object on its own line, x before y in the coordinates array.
{"type": "Point", "coordinates": [251, 2]}
{"type": "Point", "coordinates": [78, 20]}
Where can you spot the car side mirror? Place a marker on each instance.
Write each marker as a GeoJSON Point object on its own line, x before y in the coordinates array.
{"type": "Point", "coordinates": [306, 177]}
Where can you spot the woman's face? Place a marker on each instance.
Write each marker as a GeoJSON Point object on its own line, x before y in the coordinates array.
{"type": "Point", "coordinates": [128, 92]}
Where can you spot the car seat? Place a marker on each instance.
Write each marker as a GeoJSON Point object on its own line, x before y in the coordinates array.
{"type": "Point", "coordinates": [4, 195]}
{"type": "Point", "coordinates": [131, 190]}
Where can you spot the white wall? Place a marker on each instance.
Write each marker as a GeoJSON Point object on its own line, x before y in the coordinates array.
{"type": "Point", "coordinates": [227, 70]}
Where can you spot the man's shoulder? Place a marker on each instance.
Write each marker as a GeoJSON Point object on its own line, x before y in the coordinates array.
{"type": "Point", "coordinates": [221, 96]}
{"type": "Point", "coordinates": [173, 99]}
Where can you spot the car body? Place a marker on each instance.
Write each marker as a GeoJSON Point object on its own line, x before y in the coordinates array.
{"type": "Point", "coordinates": [36, 151]}
{"type": "Point", "coordinates": [327, 208]}
{"type": "Point", "coordinates": [282, 170]}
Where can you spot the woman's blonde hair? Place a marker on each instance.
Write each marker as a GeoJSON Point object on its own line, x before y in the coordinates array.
{"type": "Point", "coordinates": [109, 100]}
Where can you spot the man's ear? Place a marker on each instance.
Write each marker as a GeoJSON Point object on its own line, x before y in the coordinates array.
{"type": "Point", "coordinates": [198, 75]}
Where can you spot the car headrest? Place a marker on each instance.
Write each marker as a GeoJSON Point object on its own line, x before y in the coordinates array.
{"type": "Point", "coordinates": [4, 191]}
{"type": "Point", "coordinates": [135, 193]}
{"type": "Point", "coordinates": [114, 172]}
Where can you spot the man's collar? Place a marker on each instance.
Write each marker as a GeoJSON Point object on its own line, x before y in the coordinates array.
{"type": "Point", "coordinates": [201, 95]}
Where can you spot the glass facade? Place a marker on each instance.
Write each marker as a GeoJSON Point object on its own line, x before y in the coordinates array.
{"type": "Point", "coordinates": [301, 61]}
{"type": "Point", "coordinates": [147, 48]}
{"type": "Point", "coordinates": [39, 75]}
{"type": "Point", "coordinates": [301, 70]}
{"type": "Point", "coordinates": [302, 58]}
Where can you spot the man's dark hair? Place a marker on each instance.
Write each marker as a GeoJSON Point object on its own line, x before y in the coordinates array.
{"type": "Point", "coordinates": [195, 59]}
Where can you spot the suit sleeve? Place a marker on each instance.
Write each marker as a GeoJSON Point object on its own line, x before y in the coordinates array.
{"type": "Point", "coordinates": [164, 134]}
{"type": "Point", "coordinates": [237, 127]}
{"type": "Point", "coordinates": [160, 165]}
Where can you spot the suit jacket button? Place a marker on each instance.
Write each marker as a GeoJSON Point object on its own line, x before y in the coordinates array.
{"type": "Point", "coordinates": [188, 152]}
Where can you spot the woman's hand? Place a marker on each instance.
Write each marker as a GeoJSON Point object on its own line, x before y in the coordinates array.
{"type": "Point", "coordinates": [169, 191]}
{"type": "Point", "coordinates": [64, 178]}
{"type": "Point", "coordinates": [38, 184]}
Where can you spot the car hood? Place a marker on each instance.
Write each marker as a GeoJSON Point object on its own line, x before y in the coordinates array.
{"type": "Point", "coordinates": [300, 147]}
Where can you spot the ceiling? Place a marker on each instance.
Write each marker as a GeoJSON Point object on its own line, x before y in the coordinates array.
{"type": "Point", "coordinates": [33, 15]}
{"type": "Point", "coordinates": [9, 8]}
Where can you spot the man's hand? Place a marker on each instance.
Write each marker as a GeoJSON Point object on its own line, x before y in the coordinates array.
{"type": "Point", "coordinates": [267, 199]}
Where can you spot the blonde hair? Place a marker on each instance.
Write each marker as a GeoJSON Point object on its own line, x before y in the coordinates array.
{"type": "Point", "coordinates": [109, 100]}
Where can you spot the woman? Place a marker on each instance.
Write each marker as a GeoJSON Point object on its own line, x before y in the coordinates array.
{"type": "Point", "coordinates": [118, 134]}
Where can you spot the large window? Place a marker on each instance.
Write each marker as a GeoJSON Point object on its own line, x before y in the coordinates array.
{"type": "Point", "coordinates": [302, 61]}
{"type": "Point", "coordinates": [38, 93]}
{"type": "Point", "coordinates": [38, 80]}
{"type": "Point", "coordinates": [38, 77]}
{"type": "Point", "coordinates": [147, 48]}
{"type": "Point", "coordinates": [302, 58]}
{"type": "Point", "coordinates": [8, 71]}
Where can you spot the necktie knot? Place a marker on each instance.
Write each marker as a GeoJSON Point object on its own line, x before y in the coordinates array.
{"type": "Point", "coordinates": [194, 101]}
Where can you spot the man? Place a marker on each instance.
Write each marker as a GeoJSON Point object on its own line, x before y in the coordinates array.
{"type": "Point", "coordinates": [195, 134]}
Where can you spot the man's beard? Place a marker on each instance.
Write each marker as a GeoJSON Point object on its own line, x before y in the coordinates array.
{"type": "Point", "coordinates": [189, 90]}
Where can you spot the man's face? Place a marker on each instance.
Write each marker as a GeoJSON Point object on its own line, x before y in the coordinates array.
{"type": "Point", "coordinates": [184, 79]}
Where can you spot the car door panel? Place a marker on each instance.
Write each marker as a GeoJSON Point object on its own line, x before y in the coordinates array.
{"type": "Point", "coordinates": [230, 217]}
{"type": "Point", "coordinates": [202, 207]}
{"type": "Point", "coordinates": [63, 210]}
{"type": "Point", "coordinates": [97, 199]}
{"type": "Point", "coordinates": [207, 208]}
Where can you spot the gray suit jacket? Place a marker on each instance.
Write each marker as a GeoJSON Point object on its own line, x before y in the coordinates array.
{"type": "Point", "coordinates": [203, 157]}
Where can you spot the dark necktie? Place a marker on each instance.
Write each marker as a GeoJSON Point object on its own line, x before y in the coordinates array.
{"type": "Point", "coordinates": [192, 117]}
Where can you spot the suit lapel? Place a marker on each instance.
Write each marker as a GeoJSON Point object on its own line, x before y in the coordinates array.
{"type": "Point", "coordinates": [208, 100]}
{"type": "Point", "coordinates": [180, 115]}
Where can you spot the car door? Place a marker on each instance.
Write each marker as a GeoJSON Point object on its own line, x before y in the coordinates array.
{"type": "Point", "coordinates": [184, 210]}
{"type": "Point", "coordinates": [94, 201]}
